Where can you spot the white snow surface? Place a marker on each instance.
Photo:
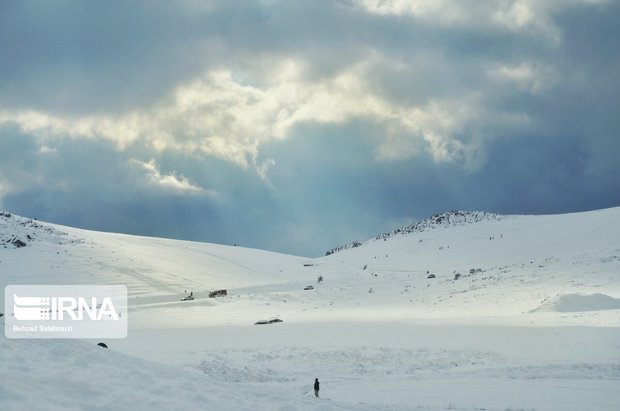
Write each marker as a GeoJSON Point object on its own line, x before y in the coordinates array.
{"type": "Point", "coordinates": [532, 321]}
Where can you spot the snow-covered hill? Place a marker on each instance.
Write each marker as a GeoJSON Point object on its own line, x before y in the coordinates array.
{"type": "Point", "coordinates": [489, 265]}
{"type": "Point", "coordinates": [443, 220]}
{"type": "Point", "coordinates": [428, 316]}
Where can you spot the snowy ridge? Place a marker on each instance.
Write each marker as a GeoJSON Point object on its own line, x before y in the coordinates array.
{"type": "Point", "coordinates": [18, 232]}
{"type": "Point", "coordinates": [442, 220]}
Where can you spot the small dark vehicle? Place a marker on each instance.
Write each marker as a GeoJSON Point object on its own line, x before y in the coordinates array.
{"type": "Point", "coordinates": [271, 321]}
{"type": "Point", "coordinates": [218, 293]}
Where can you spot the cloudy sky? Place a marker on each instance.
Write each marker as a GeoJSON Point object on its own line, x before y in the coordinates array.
{"type": "Point", "coordinates": [297, 126]}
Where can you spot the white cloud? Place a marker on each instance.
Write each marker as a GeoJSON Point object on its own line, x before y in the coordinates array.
{"type": "Point", "coordinates": [170, 181]}
{"type": "Point", "coordinates": [452, 132]}
{"type": "Point", "coordinates": [533, 16]}
{"type": "Point", "coordinates": [396, 148]}
{"type": "Point", "coordinates": [219, 115]}
{"type": "Point", "coordinates": [47, 150]}
{"type": "Point", "coordinates": [123, 130]}
{"type": "Point", "coordinates": [242, 117]}
{"type": "Point", "coordinates": [263, 168]}
{"type": "Point", "coordinates": [446, 12]}
{"type": "Point", "coordinates": [526, 76]}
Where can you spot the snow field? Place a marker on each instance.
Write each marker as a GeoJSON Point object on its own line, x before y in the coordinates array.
{"type": "Point", "coordinates": [536, 324]}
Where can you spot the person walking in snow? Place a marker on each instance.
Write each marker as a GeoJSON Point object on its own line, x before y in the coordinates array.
{"type": "Point", "coordinates": [316, 387]}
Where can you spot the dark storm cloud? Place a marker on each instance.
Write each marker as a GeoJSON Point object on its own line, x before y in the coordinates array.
{"type": "Point", "coordinates": [75, 56]}
{"type": "Point", "coordinates": [296, 126]}
{"type": "Point", "coordinates": [63, 54]}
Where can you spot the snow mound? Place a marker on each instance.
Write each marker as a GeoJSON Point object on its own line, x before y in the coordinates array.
{"type": "Point", "coordinates": [442, 220]}
{"type": "Point", "coordinates": [569, 303]}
